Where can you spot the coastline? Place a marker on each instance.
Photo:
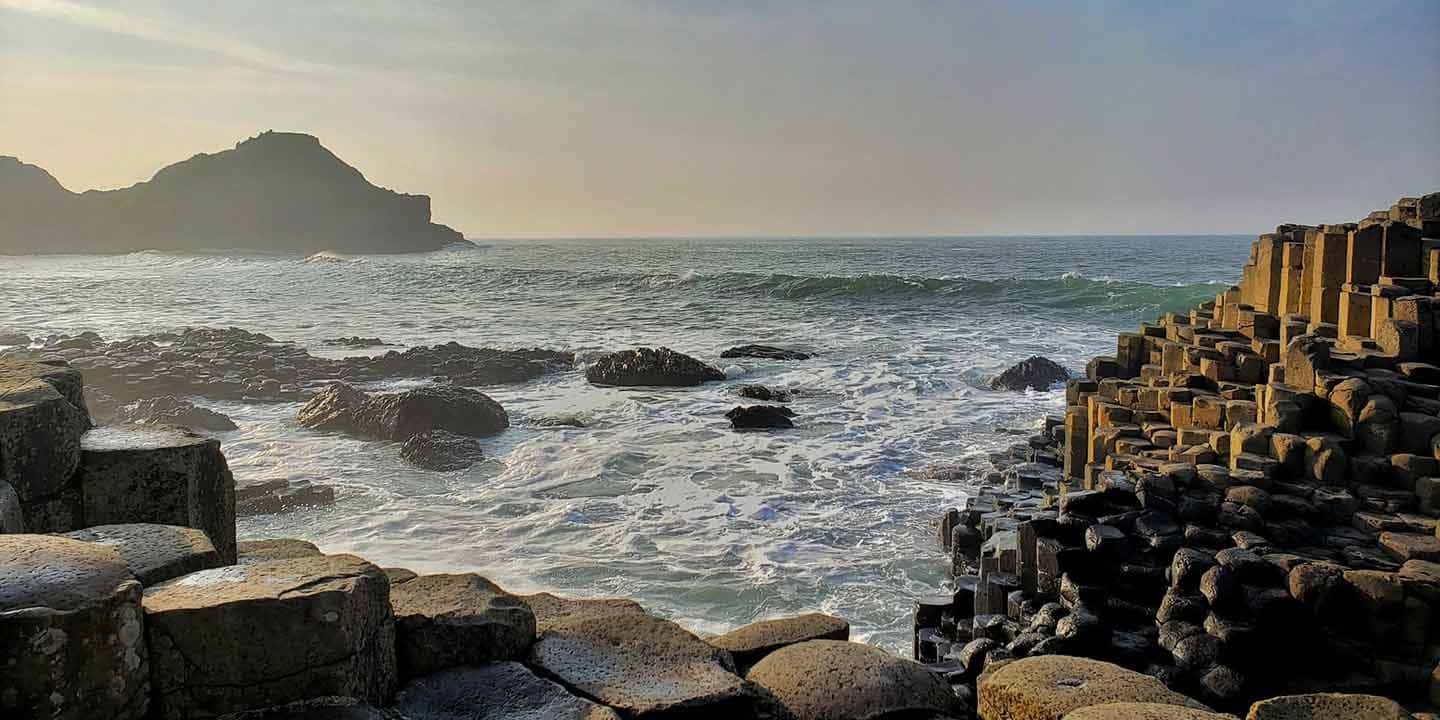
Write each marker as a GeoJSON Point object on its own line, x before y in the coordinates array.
{"type": "Point", "coordinates": [1057, 544]}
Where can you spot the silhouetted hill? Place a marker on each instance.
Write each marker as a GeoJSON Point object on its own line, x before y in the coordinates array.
{"type": "Point", "coordinates": [277, 192]}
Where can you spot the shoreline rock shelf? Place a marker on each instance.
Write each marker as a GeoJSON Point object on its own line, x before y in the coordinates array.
{"type": "Point", "coordinates": [1240, 503]}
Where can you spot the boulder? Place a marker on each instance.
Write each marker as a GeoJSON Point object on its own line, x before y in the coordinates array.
{"type": "Point", "coordinates": [761, 417]}
{"type": "Point", "coordinates": [398, 416]}
{"type": "Point", "coordinates": [155, 553]}
{"type": "Point", "coordinates": [71, 632]}
{"type": "Point", "coordinates": [649, 366]}
{"type": "Point", "coordinates": [764, 394]}
{"type": "Point", "coordinates": [170, 410]}
{"type": "Point", "coordinates": [1327, 706]}
{"type": "Point", "coordinates": [441, 450]}
{"type": "Point", "coordinates": [42, 416]}
{"type": "Point", "coordinates": [268, 633]}
{"type": "Point", "coordinates": [494, 691]}
{"type": "Point", "coordinates": [837, 680]}
{"type": "Point", "coordinates": [254, 551]}
{"type": "Point", "coordinates": [1048, 687]}
{"type": "Point", "coordinates": [443, 621]}
{"type": "Point", "coordinates": [1036, 373]}
{"type": "Point", "coordinates": [281, 495]}
{"type": "Point", "coordinates": [638, 664]}
{"type": "Point", "coordinates": [1143, 711]}
{"type": "Point", "coordinates": [152, 474]}
{"type": "Point", "coordinates": [767, 352]}
{"type": "Point", "coordinates": [749, 644]}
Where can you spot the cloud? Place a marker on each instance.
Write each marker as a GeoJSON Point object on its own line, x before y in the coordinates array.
{"type": "Point", "coordinates": [167, 32]}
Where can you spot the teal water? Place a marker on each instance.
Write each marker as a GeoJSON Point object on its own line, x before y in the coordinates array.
{"type": "Point", "coordinates": [656, 498]}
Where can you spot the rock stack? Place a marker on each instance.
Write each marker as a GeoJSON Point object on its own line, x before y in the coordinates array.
{"type": "Point", "coordinates": [1247, 494]}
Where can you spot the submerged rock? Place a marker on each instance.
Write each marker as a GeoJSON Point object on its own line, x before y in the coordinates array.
{"type": "Point", "coordinates": [170, 410]}
{"type": "Point", "coordinates": [762, 393]}
{"type": "Point", "coordinates": [660, 367]}
{"type": "Point", "coordinates": [767, 352]}
{"type": "Point", "coordinates": [1038, 373]}
{"type": "Point", "coordinates": [355, 341]}
{"type": "Point", "coordinates": [281, 495]}
{"type": "Point", "coordinates": [761, 417]}
{"type": "Point", "coordinates": [399, 416]}
{"type": "Point", "coordinates": [441, 450]}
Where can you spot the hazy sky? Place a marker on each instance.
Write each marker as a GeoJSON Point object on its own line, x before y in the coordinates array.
{"type": "Point", "coordinates": [561, 118]}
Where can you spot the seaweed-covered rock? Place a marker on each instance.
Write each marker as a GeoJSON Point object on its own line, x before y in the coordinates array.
{"type": "Point", "coordinates": [1036, 373]}
{"type": "Point", "coordinates": [399, 416]}
{"type": "Point", "coordinates": [650, 367]}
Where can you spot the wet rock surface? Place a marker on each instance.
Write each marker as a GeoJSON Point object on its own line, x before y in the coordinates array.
{"type": "Point", "coordinates": [441, 450]}
{"type": "Point", "coordinates": [763, 393]}
{"type": "Point", "coordinates": [400, 416]}
{"type": "Point", "coordinates": [767, 352]}
{"type": "Point", "coordinates": [1035, 373]}
{"type": "Point", "coordinates": [761, 417]}
{"type": "Point", "coordinates": [169, 410]}
{"type": "Point", "coordinates": [281, 495]}
{"type": "Point", "coordinates": [659, 367]}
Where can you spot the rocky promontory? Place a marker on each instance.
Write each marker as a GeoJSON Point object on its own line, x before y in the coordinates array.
{"type": "Point", "coordinates": [274, 193]}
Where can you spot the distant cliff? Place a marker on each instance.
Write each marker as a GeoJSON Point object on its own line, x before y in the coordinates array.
{"type": "Point", "coordinates": [277, 192]}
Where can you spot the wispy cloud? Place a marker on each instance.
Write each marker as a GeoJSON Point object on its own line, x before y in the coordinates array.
{"type": "Point", "coordinates": [165, 31]}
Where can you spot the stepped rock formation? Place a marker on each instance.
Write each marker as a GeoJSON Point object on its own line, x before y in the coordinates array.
{"type": "Point", "coordinates": [276, 192]}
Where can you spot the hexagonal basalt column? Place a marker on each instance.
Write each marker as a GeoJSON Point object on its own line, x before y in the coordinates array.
{"type": "Point", "coordinates": [72, 641]}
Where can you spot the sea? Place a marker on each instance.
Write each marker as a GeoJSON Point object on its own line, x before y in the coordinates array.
{"type": "Point", "coordinates": [656, 498]}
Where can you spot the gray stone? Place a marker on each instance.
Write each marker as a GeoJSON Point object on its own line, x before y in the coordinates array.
{"type": "Point", "coordinates": [495, 691]}
{"type": "Point", "coordinates": [749, 644]}
{"type": "Point", "coordinates": [443, 621]}
{"type": "Point", "coordinates": [268, 633]}
{"type": "Point", "coordinates": [155, 553]}
{"type": "Point", "coordinates": [151, 474]}
{"type": "Point", "coordinates": [634, 662]}
{"type": "Point", "coordinates": [42, 416]}
{"type": "Point", "coordinates": [859, 682]}
{"type": "Point", "coordinates": [71, 631]}
{"type": "Point", "coordinates": [399, 416]}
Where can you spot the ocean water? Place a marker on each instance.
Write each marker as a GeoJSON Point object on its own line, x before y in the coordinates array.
{"type": "Point", "coordinates": [656, 498]}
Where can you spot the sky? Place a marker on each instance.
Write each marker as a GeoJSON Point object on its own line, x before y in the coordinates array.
{"type": "Point", "coordinates": [577, 118]}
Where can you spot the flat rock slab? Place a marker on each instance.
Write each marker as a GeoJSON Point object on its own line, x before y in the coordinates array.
{"type": "Point", "coordinates": [155, 553]}
{"type": "Point", "coordinates": [1327, 706]}
{"type": "Point", "coordinates": [42, 416]}
{"type": "Point", "coordinates": [496, 691]}
{"type": "Point", "coordinates": [255, 551]}
{"type": "Point", "coordinates": [155, 474]}
{"type": "Point", "coordinates": [71, 631]}
{"type": "Point", "coordinates": [1143, 711]}
{"type": "Point", "coordinates": [636, 663]}
{"type": "Point", "coordinates": [837, 680]}
{"type": "Point", "coordinates": [1048, 687]}
{"type": "Point", "coordinates": [270, 633]}
{"type": "Point", "coordinates": [443, 621]}
{"type": "Point", "coordinates": [749, 644]}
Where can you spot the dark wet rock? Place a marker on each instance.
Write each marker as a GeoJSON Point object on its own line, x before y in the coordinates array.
{"type": "Point", "coordinates": [355, 341]}
{"type": "Point", "coordinates": [444, 621]}
{"type": "Point", "coordinates": [860, 682]}
{"type": "Point", "coordinates": [460, 364]}
{"type": "Point", "coordinates": [12, 518]}
{"type": "Point", "coordinates": [559, 421]}
{"type": "Point", "coordinates": [762, 393]}
{"type": "Point", "coordinates": [494, 691]}
{"type": "Point", "coordinates": [441, 450]}
{"type": "Point", "coordinates": [398, 416]}
{"type": "Point", "coordinates": [170, 410]}
{"type": "Point", "coordinates": [760, 417]}
{"type": "Point", "coordinates": [650, 367]}
{"type": "Point", "coordinates": [1037, 373]}
{"type": "Point", "coordinates": [752, 642]}
{"type": "Point", "coordinates": [64, 599]}
{"type": "Point", "coordinates": [642, 666]}
{"type": "Point", "coordinates": [767, 352]}
{"type": "Point", "coordinates": [155, 553]}
{"type": "Point", "coordinates": [281, 495]}
{"type": "Point", "coordinates": [42, 417]}
{"type": "Point", "coordinates": [322, 625]}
